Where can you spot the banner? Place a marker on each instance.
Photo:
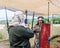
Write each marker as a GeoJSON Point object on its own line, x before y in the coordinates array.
{"type": "Point", "coordinates": [44, 35]}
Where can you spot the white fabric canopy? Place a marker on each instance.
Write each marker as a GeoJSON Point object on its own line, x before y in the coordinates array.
{"type": "Point", "coordinates": [40, 6]}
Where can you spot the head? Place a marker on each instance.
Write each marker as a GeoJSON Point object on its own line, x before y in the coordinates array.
{"type": "Point", "coordinates": [19, 15]}
{"type": "Point", "coordinates": [40, 19]}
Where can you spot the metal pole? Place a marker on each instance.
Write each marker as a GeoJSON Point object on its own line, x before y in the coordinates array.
{"type": "Point", "coordinates": [26, 17]}
{"type": "Point", "coordinates": [52, 18]}
{"type": "Point", "coordinates": [6, 18]}
{"type": "Point", "coordinates": [33, 20]}
{"type": "Point", "coordinates": [48, 18]}
{"type": "Point", "coordinates": [48, 11]}
{"type": "Point", "coordinates": [52, 23]}
{"type": "Point", "coordinates": [26, 13]}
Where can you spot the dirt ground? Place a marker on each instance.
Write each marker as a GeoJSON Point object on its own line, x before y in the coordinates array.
{"type": "Point", "coordinates": [4, 44]}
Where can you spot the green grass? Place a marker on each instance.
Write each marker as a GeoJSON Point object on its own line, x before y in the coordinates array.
{"type": "Point", "coordinates": [0, 35]}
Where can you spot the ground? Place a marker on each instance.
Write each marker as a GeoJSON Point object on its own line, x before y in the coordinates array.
{"type": "Point", "coordinates": [4, 44]}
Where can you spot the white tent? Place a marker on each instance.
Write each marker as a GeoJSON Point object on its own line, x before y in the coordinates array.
{"type": "Point", "coordinates": [40, 6]}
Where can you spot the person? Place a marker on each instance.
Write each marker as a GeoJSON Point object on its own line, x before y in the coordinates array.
{"type": "Point", "coordinates": [37, 30]}
{"type": "Point", "coordinates": [19, 33]}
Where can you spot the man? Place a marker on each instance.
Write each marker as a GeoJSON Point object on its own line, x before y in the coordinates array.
{"type": "Point", "coordinates": [37, 30]}
{"type": "Point", "coordinates": [19, 34]}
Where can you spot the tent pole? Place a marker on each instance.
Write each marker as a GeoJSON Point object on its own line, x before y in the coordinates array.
{"type": "Point", "coordinates": [26, 17]}
{"type": "Point", "coordinates": [33, 20]}
{"type": "Point", "coordinates": [48, 11]}
{"type": "Point", "coordinates": [6, 18]}
{"type": "Point", "coordinates": [26, 14]}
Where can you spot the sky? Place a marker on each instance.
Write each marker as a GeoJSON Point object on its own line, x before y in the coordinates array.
{"type": "Point", "coordinates": [10, 14]}
{"type": "Point", "coordinates": [3, 14]}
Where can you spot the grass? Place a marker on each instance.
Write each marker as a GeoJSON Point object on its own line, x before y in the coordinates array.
{"type": "Point", "coordinates": [0, 35]}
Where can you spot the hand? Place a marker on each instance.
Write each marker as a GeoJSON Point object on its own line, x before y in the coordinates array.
{"type": "Point", "coordinates": [26, 25]}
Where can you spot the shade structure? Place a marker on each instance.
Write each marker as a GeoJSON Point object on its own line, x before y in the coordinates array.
{"type": "Point", "coordinates": [40, 6]}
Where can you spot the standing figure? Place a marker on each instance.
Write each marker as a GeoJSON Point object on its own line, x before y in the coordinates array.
{"type": "Point", "coordinates": [37, 30]}
{"type": "Point", "coordinates": [19, 33]}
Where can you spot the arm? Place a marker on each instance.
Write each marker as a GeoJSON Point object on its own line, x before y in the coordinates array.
{"type": "Point", "coordinates": [29, 33]}
{"type": "Point", "coordinates": [21, 31]}
{"type": "Point", "coordinates": [36, 29]}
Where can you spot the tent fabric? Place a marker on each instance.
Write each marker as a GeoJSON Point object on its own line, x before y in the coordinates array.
{"type": "Point", "coordinates": [9, 8]}
{"type": "Point", "coordinates": [40, 6]}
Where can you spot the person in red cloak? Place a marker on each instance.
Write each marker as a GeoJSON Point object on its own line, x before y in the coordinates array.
{"type": "Point", "coordinates": [37, 30]}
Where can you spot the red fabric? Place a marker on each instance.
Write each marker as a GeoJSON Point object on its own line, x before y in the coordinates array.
{"type": "Point", "coordinates": [45, 33]}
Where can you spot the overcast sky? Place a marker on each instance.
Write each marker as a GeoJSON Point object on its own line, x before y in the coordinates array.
{"type": "Point", "coordinates": [3, 14]}
{"type": "Point", "coordinates": [9, 14]}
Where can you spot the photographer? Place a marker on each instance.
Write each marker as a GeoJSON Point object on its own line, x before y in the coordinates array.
{"type": "Point", "coordinates": [19, 33]}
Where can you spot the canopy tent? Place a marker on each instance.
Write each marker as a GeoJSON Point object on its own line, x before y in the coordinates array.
{"type": "Point", "coordinates": [40, 6]}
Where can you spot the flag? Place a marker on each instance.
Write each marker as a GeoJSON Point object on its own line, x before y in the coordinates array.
{"type": "Point", "coordinates": [44, 35]}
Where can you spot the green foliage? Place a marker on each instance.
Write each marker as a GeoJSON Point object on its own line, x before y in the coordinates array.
{"type": "Point", "coordinates": [45, 20]}
{"type": "Point", "coordinates": [4, 21]}
{"type": "Point", "coordinates": [56, 20]}
{"type": "Point", "coordinates": [30, 22]}
{"type": "Point", "coordinates": [35, 21]}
